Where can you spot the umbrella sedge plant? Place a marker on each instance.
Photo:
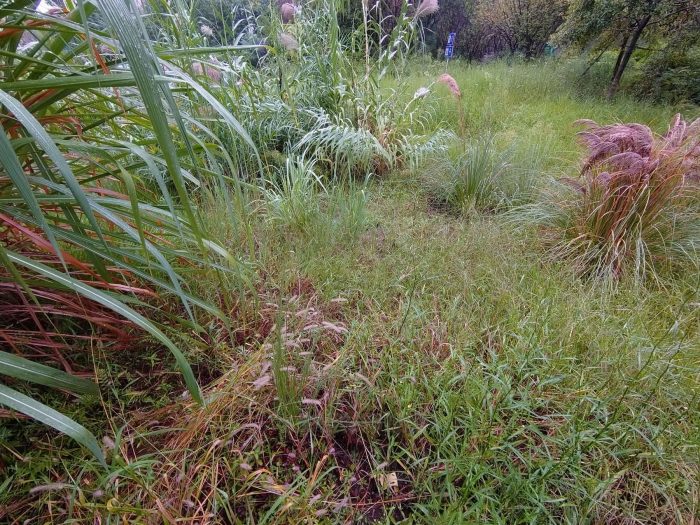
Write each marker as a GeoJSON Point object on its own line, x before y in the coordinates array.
{"type": "Point", "coordinates": [100, 167]}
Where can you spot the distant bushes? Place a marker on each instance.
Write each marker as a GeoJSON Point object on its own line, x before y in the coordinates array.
{"type": "Point", "coordinates": [672, 75]}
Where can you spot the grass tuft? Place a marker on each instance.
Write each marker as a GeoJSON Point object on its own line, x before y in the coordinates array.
{"type": "Point", "coordinates": [635, 208]}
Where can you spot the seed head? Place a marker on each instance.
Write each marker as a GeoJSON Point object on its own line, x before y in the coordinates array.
{"type": "Point", "coordinates": [426, 7]}
{"type": "Point", "coordinates": [288, 41]}
{"type": "Point", "coordinates": [421, 92]}
{"type": "Point", "coordinates": [451, 83]}
{"type": "Point", "coordinates": [287, 11]}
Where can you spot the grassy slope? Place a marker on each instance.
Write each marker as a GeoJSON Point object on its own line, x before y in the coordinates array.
{"type": "Point", "coordinates": [534, 104]}
{"type": "Point", "coordinates": [496, 388]}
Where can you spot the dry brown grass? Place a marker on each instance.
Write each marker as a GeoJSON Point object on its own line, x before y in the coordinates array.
{"type": "Point", "coordinates": [280, 410]}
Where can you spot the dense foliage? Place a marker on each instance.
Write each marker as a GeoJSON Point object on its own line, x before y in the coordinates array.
{"type": "Point", "coordinates": [269, 262]}
{"type": "Point", "coordinates": [105, 163]}
{"type": "Point", "coordinates": [670, 25]}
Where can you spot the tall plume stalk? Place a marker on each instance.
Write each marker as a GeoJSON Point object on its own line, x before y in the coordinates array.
{"type": "Point", "coordinates": [452, 85]}
{"type": "Point", "coordinates": [365, 23]}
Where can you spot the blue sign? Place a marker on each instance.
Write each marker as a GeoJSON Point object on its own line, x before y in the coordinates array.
{"type": "Point", "coordinates": [450, 47]}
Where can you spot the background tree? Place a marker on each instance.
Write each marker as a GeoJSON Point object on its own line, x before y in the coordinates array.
{"type": "Point", "coordinates": [522, 26]}
{"type": "Point", "coordinates": [455, 16]}
{"type": "Point", "coordinates": [599, 24]}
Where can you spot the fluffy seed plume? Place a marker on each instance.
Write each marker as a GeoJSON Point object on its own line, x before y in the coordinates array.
{"type": "Point", "coordinates": [635, 153]}
{"type": "Point", "coordinates": [634, 202]}
{"type": "Point", "coordinates": [213, 73]}
{"type": "Point", "coordinates": [206, 30]}
{"type": "Point", "coordinates": [421, 92]}
{"type": "Point", "coordinates": [451, 83]}
{"type": "Point", "coordinates": [427, 7]}
{"type": "Point", "coordinates": [288, 41]}
{"type": "Point", "coordinates": [287, 11]}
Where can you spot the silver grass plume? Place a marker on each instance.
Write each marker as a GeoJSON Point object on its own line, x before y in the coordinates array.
{"type": "Point", "coordinates": [288, 41]}
{"type": "Point", "coordinates": [426, 8]}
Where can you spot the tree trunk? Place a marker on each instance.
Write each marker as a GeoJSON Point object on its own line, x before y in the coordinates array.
{"type": "Point", "coordinates": [624, 57]}
{"type": "Point", "coordinates": [623, 47]}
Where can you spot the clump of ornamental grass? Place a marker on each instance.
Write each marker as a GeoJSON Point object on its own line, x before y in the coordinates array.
{"type": "Point", "coordinates": [292, 198]}
{"type": "Point", "coordinates": [31, 317]}
{"type": "Point", "coordinates": [635, 207]}
{"type": "Point", "coordinates": [90, 234]}
{"type": "Point", "coordinates": [348, 148]}
{"type": "Point", "coordinates": [471, 180]}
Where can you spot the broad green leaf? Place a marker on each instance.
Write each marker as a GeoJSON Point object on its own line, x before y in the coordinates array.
{"type": "Point", "coordinates": [26, 370]}
{"type": "Point", "coordinates": [72, 82]}
{"type": "Point", "coordinates": [218, 106]}
{"type": "Point", "coordinates": [117, 306]}
{"type": "Point", "coordinates": [129, 30]}
{"type": "Point", "coordinates": [47, 415]}
{"type": "Point", "coordinates": [172, 53]}
{"type": "Point", "coordinates": [43, 139]}
{"type": "Point", "coordinates": [12, 6]}
{"type": "Point", "coordinates": [12, 166]}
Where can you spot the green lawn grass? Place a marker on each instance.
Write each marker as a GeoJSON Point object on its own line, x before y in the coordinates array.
{"type": "Point", "coordinates": [398, 364]}
{"type": "Point", "coordinates": [529, 105]}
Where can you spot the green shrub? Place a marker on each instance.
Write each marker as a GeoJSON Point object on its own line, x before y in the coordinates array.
{"type": "Point", "coordinates": [672, 75]}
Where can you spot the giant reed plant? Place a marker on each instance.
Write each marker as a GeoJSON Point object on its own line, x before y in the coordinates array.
{"type": "Point", "coordinates": [100, 162]}
{"type": "Point", "coordinates": [345, 118]}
